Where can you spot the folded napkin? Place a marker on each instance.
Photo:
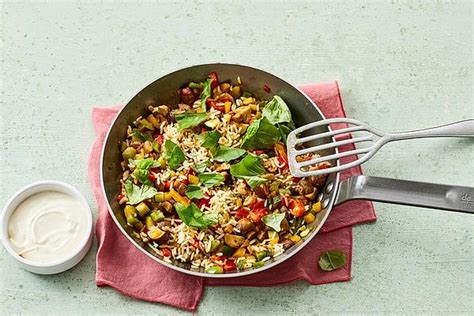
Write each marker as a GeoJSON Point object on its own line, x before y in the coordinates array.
{"type": "Point", "coordinates": [123, 267]}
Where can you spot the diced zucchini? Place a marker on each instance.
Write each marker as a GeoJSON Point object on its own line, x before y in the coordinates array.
{"type": "Point", "coordinates": [157, 216]}
{"type": "Point", "coordinates": [142, 209]}
{"type": "Point", "coordinates": [129, 153]}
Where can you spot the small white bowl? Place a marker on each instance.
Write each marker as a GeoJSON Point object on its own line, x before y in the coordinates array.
{"type": "Point", "coordinates": [53, 267]}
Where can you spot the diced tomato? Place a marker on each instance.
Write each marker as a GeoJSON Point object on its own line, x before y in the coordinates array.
{"type": "Point", "coordinates": [159, 139]}
{"type": "Point", "coordinates": [166, 252]}
{"type": "Point", "coordinates": [120, 197]}
{"type": "Point", "coordinates": [229, 265]}
{"type": "Point", "coordinates": [214, 79]}
{"type": "Point", "coordinates": [284, 200]}
{"type": "Point", "coordinates": [152, 176]}
{"type": "Point", "coordinates": [168, 184]}
{"type": "Point", "coordinates": [185, 181]}
{"type": "Point", "coordinates": [217, 258]}
{"type": "Point", "coordinates": [241, 213]}
{"type": "Point", "coordinates": [213, 104]}
{"type": "Point", "coordinates": [256, 215]}
{"type": "Point", "coordinates": [259, 203]}
{"type": "Point", "coordinates": [296, 207]}
{"type": "Point", "coordinates": [203, 202]}
{"type": "Point", "coordinates": [259, 152]}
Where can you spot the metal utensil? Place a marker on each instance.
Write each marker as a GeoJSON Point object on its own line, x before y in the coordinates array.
{"type": "Point", "coordinates": [374, 137]}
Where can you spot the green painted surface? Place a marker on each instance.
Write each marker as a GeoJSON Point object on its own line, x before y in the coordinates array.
{"type": "Point", "coordinates": [401, 65]}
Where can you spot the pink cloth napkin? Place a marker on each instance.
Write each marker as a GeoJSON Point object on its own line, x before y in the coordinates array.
{"type": "Point", "coordinates": [123, 267]}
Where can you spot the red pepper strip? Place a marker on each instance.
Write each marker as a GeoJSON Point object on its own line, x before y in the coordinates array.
{"type": "Point", "coordinates": [203, 202]}
{"type": "Point", "coordinates": [212, 103]}
{"type": "Point", "coordinates": [229, 265]}
{"type": "Point", "coordinates": [214, 80]}
{"type": "Point", "coordinates": [120, 197]}
{"type": "Point", "coordinates": [166, 252]}
{"type": "Point", "coordinates": [159, 139]}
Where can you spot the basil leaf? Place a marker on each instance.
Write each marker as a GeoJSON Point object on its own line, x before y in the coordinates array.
{"type": "Point", "coordinates": [332, 260]}
{"type": "Point", "coordinates": [225, 154]}
{"type": "Point", "coordinates": [206, 93]}
{"type": "Point", "coordinates": [249, 168]}
{"type": "Point", "coordinates": [274, 220]}
{"type": "Point", "coordinates": [284, 131]}
{"type": "Point", "coordinates": [192, 216]}
{"type": "Point", "coordinates": [194, 85]}
{"type": "Point", "coordinates": [189, 119]}
{"type": "Point", "coordinates": [194, 192]}
{"type": "Point", "coordinates": [135, 194]}
{"type": "Point", "coordinates": [142, 136]}
{"type": "Point", "coordinates": [260, 134]}
{"type": "Point", "coordinates": [200, 167]}
{"type": "Point", "coordinates": [210, 179]}
{"type": "Point", "coordinates": [173, 154]}
{"type": "Point", "coordinates": [142, 167]}
{"type": "Point", "coordinates": [210, 140]}
{"type": "Point", "coordinates": [276, 111]}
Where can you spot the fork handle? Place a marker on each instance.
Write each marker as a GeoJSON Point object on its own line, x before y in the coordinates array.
{"type": "Point", "coordinates": [463, 128]}
{"type": "Point", "coordinates": [437, 196]}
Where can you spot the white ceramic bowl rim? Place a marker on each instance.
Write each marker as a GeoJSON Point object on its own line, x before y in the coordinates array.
{"type": "Point", "coordinates": [21, 195]}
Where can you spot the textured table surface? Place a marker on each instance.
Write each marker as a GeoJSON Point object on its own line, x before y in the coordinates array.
{"type": "Point", "coordinates": [401, 65]}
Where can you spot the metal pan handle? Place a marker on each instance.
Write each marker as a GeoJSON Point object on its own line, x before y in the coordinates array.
{"type": "Point", "coordinates": [438, 196]}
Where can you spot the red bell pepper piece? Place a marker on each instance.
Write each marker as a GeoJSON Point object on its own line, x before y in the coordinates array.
{"type": "Point", "coordinates": [229, 265]}
{"type": "Point", "coordinates": [214, 80]}
{"type": "Point", "coordinates": [203, 202]}
{"type": "Point", "coordinates": [166, 252]}
{"type": "Point", "coordinates": [256, 215]}
{"type": "Point", "coordinates": [212, 103]}
{"type": "Point", "coordinates": [296, 207]}
{"type": "Point", "coordinates": [241, 213]}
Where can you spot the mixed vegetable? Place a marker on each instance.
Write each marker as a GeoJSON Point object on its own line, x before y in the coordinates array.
{"type": "Point", "coordinates": [208, 182]}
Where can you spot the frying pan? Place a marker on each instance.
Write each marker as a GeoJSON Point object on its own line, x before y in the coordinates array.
{"type": "Point", "coordinates": [304, 111]}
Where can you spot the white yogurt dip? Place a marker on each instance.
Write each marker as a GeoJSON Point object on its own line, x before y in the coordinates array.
{"type": "Point", "coordinates": [47, 227]}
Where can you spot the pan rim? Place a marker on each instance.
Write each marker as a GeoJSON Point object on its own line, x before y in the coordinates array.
{"type": "Point", "coordinates": [282, 258]}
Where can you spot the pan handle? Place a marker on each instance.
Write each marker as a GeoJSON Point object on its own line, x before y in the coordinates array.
{"type": "Point", "coordinates": [438, 196]}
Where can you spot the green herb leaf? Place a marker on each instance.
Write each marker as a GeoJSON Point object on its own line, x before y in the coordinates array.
{"type": "Point", "coordinates": [135, 194]}
{"type": "Point", "coordinates": [192, 216]}
{"type": "Point", "coordinates": [260, 134]}
{"type": "Point", "coordinates": [155, 146]}
{"type": "Point", "coordinates": [274, 220]}
{"type": "Point", "coordinates": [276, 111]}
{"type": "Point", "coordinates": [332, 260]}
{"type": "Point", "coordinates": [210, 179]}
{"type": "Point", "coordinates": [142, 136]}
{"type": "Point", "coordinates": [225, 154]}
{"type": "Point", "coordinates": [189, 119]}
{"type": "Point", "coordinates": [173, 154]}
{"type": "Point", "coordinates": [142, 167]}
{"type": "Point", "coordinates": [210, 140]}
{"type": "Point", "coordinates": [194, 192]}
{"type": "Point", "coordinates": [200, 167]}
{"type": "Point", "coordinates": [249, 168]}
{"type": "Point", "coordinates": [284, 131]}
{"type": "Point", "coordinates": [206, 93]}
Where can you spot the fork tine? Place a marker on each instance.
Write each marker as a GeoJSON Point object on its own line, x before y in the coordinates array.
{"type": "Point", "coordinates": [327, 122]}
{"type": "Point", "coordinates": [332, 169]}
{"type": "Point", "coordinates": [328, 134]}
{"type": "Point", "coordinates": [333, 145]}
{"type": "Point", "coordinates": [332, 157]}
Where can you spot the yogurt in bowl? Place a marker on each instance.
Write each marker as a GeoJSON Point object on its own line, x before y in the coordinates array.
{"type": "Point", "coordinates": [47, 227]}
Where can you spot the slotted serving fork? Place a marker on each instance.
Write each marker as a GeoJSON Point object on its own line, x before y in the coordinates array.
{"type": "Point", "coordinates": [374, 137]}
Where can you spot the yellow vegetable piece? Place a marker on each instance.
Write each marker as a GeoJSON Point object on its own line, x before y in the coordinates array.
{"type": "Point", "coordinates": [149, 223]}
{"type": "Point", "coordinates": [179, 198]}
{"type": "Point", "coordinates": [248, 101]}
{"type": "Point", "coordinates": [274, 238]}
{"type": "Point", "coordinates": [239, 253]}
{"type": "Point", "coordinates": [305, 232]}
{"type": "Point", "coordinates": [162, 196]}
{"type": "Point", "coordinates": [254, 107]}
{"type": "Point", "coordinates": [295, 238]}
{"type": "Point", "coordinates": [316, 207]}
{"type": "Point", "coordinates": [155, 233]}
{"type": "Point", "coordinates": [193, 179]}
{"type": "Point", "coordinates": [227, 106]}
{"type": "Point", "coordinates": [162, 162]}
{"type": "Point", "coordinates": [309, 218]}
{"type": "Point", "coordinates": [227, 117]}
